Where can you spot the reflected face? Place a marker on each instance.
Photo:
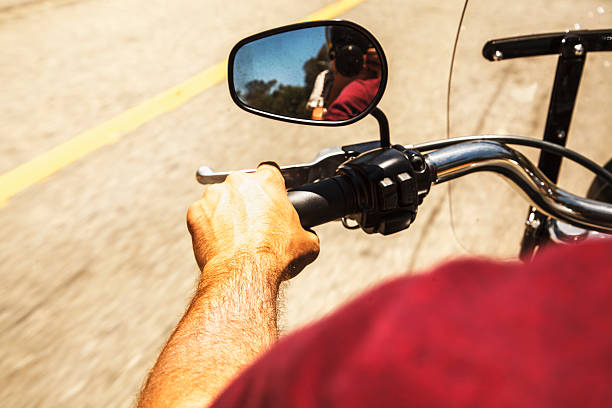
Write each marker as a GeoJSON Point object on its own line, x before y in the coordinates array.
{"type": "Point", "coordinates": [299, 74]}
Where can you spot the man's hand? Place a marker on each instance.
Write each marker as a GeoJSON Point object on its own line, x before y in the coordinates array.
{"type": "Point", "coordinates": [246, 238]}
{"type": "Point", "coordinates": [250, 214]}
{"type": "Point", "coordinates": [372, 63]}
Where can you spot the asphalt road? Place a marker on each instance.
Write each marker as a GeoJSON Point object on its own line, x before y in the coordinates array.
{"type": "Point", "coordinates": [95, 261]}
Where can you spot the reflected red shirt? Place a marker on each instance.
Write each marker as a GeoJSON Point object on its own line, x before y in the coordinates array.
{"type": "Point", "coordinates": [470, 333]}
{"type": "Point", "coordinates": [353, 99]}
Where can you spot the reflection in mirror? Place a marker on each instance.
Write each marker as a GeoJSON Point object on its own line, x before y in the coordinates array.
{"type": "Point", "coordinates": [325, 73]}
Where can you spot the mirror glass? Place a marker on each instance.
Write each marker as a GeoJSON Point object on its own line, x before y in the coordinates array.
{"type": "Point", "coordinates": [325, 73]}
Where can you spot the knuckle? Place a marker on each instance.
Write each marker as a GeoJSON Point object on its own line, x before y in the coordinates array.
{"type": "Point", "coordinates": [231, 178]}
{"type": "Point", "coordinates": [213, 191]}
{"type": "Point", "coordinates": [194, 212]}
{"type": "Point", "coordinates": [235, 177]}
{"type": "Point", "coordinates": [268, 164]}
{"type": "Point", "coordinates": [315, 243]}
{"type": "Point", "coordinates": [193, 209]}
{"type": "Point", "coordinates": [210, 189]}
{"type": "Point", "coordinates": [270, 173]}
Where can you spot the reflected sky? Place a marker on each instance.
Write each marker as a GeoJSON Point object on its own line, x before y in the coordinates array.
{"type": "Point", "coordinates": [280, 57]}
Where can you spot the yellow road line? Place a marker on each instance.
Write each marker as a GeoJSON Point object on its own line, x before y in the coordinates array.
{"type": "Point", "coordinates": [333, 10]}
{"type": "Point", "coordinates": [41, 167]}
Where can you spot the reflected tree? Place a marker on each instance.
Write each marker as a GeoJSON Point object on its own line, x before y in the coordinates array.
{"type": "Point", "coordinates": [285, 100]}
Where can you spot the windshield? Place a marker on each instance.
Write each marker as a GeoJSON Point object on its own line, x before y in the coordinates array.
{"type": "Point", "coordinates": [511, 97]}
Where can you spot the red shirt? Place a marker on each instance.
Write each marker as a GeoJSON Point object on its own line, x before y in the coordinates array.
{"type": "Point", "coordinates": [353, 99]}
{"type": "Point", "coordinates": [470, 333]}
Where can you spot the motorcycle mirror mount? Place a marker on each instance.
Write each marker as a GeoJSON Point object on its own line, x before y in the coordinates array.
{"type": "Point", "coordinates": [321, 73]}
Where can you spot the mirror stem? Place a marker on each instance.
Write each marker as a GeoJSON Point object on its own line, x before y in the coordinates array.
{"type": "Point", "coordinates": [383, 125]}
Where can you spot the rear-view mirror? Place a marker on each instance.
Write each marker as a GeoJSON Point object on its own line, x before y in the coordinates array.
{"type": "Point", "coordinates": [321, 73]}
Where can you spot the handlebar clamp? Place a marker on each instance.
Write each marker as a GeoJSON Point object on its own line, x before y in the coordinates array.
{"type": "Point", "coordinates": [390, 184]}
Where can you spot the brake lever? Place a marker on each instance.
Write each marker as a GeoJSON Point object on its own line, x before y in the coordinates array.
{"type": "Point", "coordinates": [296, 175]}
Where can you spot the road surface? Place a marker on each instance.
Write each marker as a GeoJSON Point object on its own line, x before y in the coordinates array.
{"type": "Point", "coordinates": [95, 260]}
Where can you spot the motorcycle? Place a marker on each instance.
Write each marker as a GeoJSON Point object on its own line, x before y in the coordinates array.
{"type": "Point", "coordinates": [334, 73]}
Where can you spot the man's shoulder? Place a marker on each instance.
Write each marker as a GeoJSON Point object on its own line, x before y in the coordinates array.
{"type": "Point", "coordinates": [361, 86]}
{"type": "Point", "coordinates": [472, 323]}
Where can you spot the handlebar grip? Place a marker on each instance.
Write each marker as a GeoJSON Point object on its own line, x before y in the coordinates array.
{"type": "Point", "coordinates": [324, 201]}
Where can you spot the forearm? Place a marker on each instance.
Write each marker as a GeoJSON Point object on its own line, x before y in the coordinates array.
{"type": "Point", "coordinates": [246, 237]}
{"type": "Point", "coordinates": [230, 321]}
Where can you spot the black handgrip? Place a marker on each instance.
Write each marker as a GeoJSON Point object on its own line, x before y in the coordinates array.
{"type": "Point", "coordinates": [324, 201]}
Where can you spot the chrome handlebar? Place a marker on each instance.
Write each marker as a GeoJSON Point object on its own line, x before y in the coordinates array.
{"type": "Point", "coordinates": [465, 158]}
{"type": "Point", "coordinates": [458, 160]}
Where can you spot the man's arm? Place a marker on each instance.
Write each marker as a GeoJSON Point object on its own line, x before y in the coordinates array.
{"type": "Point", "coordinates": [247, 238]}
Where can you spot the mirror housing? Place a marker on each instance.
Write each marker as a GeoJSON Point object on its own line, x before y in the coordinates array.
{"type": "Point", "coordinates": [328, 73]}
